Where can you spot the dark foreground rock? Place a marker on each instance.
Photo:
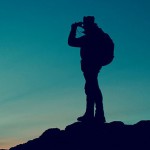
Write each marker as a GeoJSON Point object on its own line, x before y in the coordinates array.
{"type": "Point", "coordinates": [85, 136]}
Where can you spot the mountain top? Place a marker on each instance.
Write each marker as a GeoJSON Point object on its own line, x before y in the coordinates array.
{"type": "Point", "coordinates": [91, 136]}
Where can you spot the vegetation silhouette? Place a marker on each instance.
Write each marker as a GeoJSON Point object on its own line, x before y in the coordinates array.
{"type": "Point", "coordinates": [96, 50]}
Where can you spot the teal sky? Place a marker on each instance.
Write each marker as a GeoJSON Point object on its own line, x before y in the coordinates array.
{"type": "Point", "coordinates": [41, 85]}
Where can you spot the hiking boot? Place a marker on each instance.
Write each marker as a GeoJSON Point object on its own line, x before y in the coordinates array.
{"type": "Point", "coordinates": [89, 113]}
{"type": "Point", "coordinates": [85, 118]}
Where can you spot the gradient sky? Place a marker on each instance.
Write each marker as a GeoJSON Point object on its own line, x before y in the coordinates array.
{"type": "Point", "coordinates": [41, 85]}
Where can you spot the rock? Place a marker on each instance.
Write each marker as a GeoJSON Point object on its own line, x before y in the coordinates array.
{"type": "Point", "coordinates": [91, 136]}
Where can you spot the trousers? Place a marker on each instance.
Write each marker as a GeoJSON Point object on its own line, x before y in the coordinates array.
{"type": "Point", "coordinates": [94, 98]}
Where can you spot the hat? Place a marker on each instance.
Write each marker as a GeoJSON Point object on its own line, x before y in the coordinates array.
{"type": "Point", "coordinates": [88, 20]}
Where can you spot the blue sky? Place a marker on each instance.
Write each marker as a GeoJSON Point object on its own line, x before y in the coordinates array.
{"type": "Point", "coordinates": [41, 85]}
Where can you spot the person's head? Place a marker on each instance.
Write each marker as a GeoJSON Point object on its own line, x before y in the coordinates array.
{"type": "Point", "coordinates": [88, 20]}
{"type": "Point", "coordinates": [89, 23]}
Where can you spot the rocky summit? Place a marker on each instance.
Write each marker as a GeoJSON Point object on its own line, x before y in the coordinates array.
{"type": "Point", "coordinates": [92, 136]}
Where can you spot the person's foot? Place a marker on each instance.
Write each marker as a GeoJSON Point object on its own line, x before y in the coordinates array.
{"type": "Point", "coordinates": [85, 118]}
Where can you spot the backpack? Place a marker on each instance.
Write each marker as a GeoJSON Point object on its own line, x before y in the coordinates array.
{"type": "Point", "coordinates": [107, 50]}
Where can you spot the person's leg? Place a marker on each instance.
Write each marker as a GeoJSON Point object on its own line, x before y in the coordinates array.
{"type": "Point", "coordinates": [89, 113]}
{"type": "Point", "coordinates": [99, 113]}
{"type": "Point", "coordinates": [94, 95]}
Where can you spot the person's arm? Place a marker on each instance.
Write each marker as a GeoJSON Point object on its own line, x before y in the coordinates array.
{"type": "Point", "coordinates": [72, 40]}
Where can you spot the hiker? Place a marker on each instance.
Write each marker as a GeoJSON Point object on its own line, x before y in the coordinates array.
{"type": "Point", "coordinates": [91, 63]}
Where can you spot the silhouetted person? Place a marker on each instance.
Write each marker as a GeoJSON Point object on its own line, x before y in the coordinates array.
{"type": "Point", "coordinates": [90, 66]}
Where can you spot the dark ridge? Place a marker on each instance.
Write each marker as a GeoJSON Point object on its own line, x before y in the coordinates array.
{"type": "Point", "coordinates": [91, 136]}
